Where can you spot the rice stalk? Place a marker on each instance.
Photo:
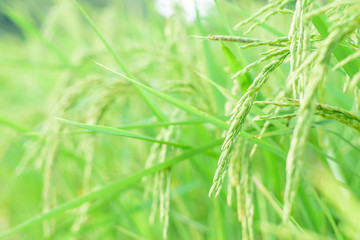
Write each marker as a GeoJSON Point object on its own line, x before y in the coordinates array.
{"type": "Point", "coordinates": [339, 31]}
{"type": "Point", "coordinates": [234, 173]}
{"type": "Point", "coordinates": [86, 146]}
{"type": "Point", "coordinates": [279, 42]}
{"type": "Point", "coordinates": [250, 42]}
{"type": "Point", "coordinates": [274, 53]}
{"type": "Point", "coordinates": [269, 10]}
{"type": "Point", "coordinates": [299, 36]}
{"type": "Point", "coordinates": [343, 116]}
{"type": "Point", "coordinates": [237, 119]}
{"type": "Point", "coordinates": [247, 199]}
{"type": "Point", "coordinates": [159, 185]}
{"type": "Point", "coordinates": [51, 141]}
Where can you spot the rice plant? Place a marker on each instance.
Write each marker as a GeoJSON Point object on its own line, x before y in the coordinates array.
{"type": "Point", "coordinates": [217, 120]}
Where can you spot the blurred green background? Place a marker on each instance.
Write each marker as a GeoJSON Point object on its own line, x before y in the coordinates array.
{"type": "Point", "coordinates": [46, 71]}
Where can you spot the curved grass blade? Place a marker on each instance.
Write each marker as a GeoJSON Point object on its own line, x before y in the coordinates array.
{"type": "Point", "coordinates": [328, 215]}
{"type": "Point", "coordinates": [109, 188]}
{"type": "Point", "coordinates": [164, 124]}
{"type": "Point", "coordinates": [187, 122]}
{"type": "Point", "coordinates": [11, 124]}
{"type": "Point", "coordinates": [274, 202]}
{"type": "Point", "coordinates": [123, 133]}
{"type": "Point", "coordinates": [119, 132]}
{"type": "Point", "coordinates": [342, 138]}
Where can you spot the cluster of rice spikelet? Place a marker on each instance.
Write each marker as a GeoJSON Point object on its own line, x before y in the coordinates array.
{"type": "Point", "coordinates": [343, 116]}
{"type": "Point", "coordinates": [319, 67]}
{"type": "Point", "coordinates": [86, 147]}
{"type": "Point", "coordinates": [159, 185]}
{"type": "Point", "coordinates": [238, 116]}
{"type": "Point", "coordinates": [271, 9]}
{"type": "Point", "coordinates": [309, 59]}
{"type": "Point", "coordinates": [51, 138]}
